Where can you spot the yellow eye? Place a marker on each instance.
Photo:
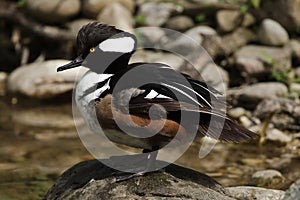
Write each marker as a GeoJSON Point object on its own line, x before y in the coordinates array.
{"type": "Point", "coordinates": [92, 50]}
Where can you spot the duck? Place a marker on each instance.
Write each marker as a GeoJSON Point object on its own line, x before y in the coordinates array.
{"type": "Point", "coordinates": [145, 105]}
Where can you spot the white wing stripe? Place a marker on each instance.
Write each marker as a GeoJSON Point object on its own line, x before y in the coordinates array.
{"type": "Point", "coordinates": [182, 92]}
{"type": "Point", "coordinates": [195, 93]}
{"type": "Point", "coordinates": [206, 89]}
{"type": "Point", "coordinates": [152, 94]}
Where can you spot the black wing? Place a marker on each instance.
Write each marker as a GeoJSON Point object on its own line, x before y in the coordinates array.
{"type": "Point", "coordinates": [175, 93]}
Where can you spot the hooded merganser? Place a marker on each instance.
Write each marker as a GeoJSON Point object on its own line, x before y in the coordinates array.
{"type": "Point", "coordinates": [165, 94]}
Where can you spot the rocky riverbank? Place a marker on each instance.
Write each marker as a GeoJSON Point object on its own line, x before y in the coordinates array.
{"type": "Point", "coordinates": [255, 47]}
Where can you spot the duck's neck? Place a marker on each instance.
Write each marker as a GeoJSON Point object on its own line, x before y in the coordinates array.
{"type": "Point", "coordinates": [109, 64]}
{"type": "Point", "coordinates": [118, 64]}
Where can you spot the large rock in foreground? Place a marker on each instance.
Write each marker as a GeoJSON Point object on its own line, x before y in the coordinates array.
{"type": "Point", "coordinates": [94, 180]}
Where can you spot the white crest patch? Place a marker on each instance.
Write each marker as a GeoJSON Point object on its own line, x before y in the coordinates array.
{"type": "Point", "coordinates": [122, 45]}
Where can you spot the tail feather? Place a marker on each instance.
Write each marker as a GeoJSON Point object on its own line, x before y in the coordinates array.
{"type": "Point", "coordinates": [224, 129]}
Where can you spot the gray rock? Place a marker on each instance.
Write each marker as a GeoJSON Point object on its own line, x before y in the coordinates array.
{"type": "Point", "coordinates": [295, 87]}
{"type": "Point", "coordinates": [275, 105]}
{"type": "Point", "coordinates": [297, 72]}
{"type": "Point", "coordinates": [272, 33]}
{"type": "Point", "coordinates": [278, 58]}
{"type": "Point", "coordinates": [170, 59]}
{"type": "Point", "coordinates": [75, 25]}
{"type": "Point", "coordinates": [92, 179]}
{"type": "Point", "coordinates": [294, 46]}
{"type": "Point", "coordinates": [250, 193]}
{"type": "Point", "coordinates": [156, 14]}
{"type": "Point", "coordinates": [228, 20]}
{"type": "Point", "coordinates": [55, 11]}
{"type": "Point", "coordinates": [205, 1]}
{"type": "Point", "coordinates": [285, 112]}
{"type": "Point", "coordinates": [180, 23]}
{"type": "Point", "coordinates": [233, 41]}
{"type": "Point", "coordinates": [245, 121]}
{"type": "Point", "coordinates": [285, 12]}
{"type": "Point", "coordinates": [278, 136]}
{"type": "Point", "coordinates": [248, 20]}
{"type": "Point", "coordinates": [149, 36]}
{"type": "Point", "coordinates": [191, 40]}
{"type": "Point", "coordinates": [91, 8]}
{"type": "Point", "coordinates": [40, 80]}
{"type": "Point", "coordinates": [251, 95]}
{"type": "Point", "coordinates": [200, 66]}
{"type": "Point", "coordinates": [269, 178]}
{"type": "Point", "coordinates": [42, 118]}
{"type": "Point", "coordinates": [116, 14]}
{"type": "Point", "coordinates": [293, 193]}
{"type": "Point", "coordinates": [3, 79]}
{"type": "Point", "coordinates": [236, 112]}
{"type": "Point", "coordinates": [250, 67]}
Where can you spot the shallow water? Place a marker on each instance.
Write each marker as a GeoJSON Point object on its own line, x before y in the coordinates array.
{"type": "Point", "coordinates": [39, 141]}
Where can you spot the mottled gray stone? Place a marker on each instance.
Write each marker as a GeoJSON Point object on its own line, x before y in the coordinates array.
{"type": "Point", "coordinates": [293, 193]}
{"type": "Point", "coordinates": [3, 79]}
{"type": "Point", "coordinates": [156, 14]}
{"type": "Point", "coordinates": [286, 12]}
{"type": "Point", "coordinates": [180, 23]}
{"type": "Point", "coordinates": [278, 58]}
{"type": "Point", "coordinates": [236, 112]}
{"type": "Point", "coordinates": [232, 42]}
{"type": "Point", "coordinates": [250, 193]}
{"type": "Point", "coordinates": [77, 24]}
{"type": "Point", "coordinates": [251, 95]}
{"type": "Point", "coordinates": [272, 33]}
{"type": "Point", "coordinates": [170, 59]}
{"type": "Point", "coordinates": [54, 11]}
{"type": "Point", "coordinates": [94, 180]}
{"type": "Point", "coordinates": [91, 8]}
{"type": "Point", "coordinates": [118, 15]}
{"type": "Point", "coordinates": [266, 178]}
{"type": "Point", "coordinates": [277, 135]}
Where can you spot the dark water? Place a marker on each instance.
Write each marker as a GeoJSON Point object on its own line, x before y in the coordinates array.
{"type": "Point", "coordinates": [39, 141]}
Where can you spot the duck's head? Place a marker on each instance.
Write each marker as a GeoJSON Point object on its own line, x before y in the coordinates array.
{"type": "Point", "coordinates": [101, 45]}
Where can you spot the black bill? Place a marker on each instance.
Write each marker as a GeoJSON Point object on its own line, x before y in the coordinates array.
{"type": "Point", "coordinates": [75, 63]}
